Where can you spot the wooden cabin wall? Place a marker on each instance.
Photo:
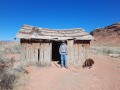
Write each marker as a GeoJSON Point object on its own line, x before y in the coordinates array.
{"type": "Point", "coordinates": [45, 54]}
{"type": "Point", "coordinates": [36, 52]}
{"type": "Point", "coordinates": [78, 52]}
{"type": "Point", "coordinates": [40, 52]}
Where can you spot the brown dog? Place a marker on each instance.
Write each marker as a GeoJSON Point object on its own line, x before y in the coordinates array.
{"type": "Point", "coordinates": [88, 63]}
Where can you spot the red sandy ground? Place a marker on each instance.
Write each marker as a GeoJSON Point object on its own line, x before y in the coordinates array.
{"type": "Point", "coordinates": [104, 75]}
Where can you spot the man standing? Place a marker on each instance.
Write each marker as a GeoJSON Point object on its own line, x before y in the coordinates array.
{"type": "Point", "coordinates": [63, 50]}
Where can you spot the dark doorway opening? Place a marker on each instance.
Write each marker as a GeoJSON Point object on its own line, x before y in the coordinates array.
{"type": "Point", "coordinates": [55, 50]}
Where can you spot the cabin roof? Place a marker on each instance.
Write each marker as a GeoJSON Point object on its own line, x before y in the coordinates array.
{"type": "Point", "coordinates": [32, 32]}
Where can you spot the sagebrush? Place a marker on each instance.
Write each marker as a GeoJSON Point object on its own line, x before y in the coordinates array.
{"type": "Point", "coordinates": [105, 50]}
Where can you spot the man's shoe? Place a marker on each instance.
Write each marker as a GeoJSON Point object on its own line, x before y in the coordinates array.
{"type": "Point", "coordinates": [61, 66]}
{"type": "Point", "coordinates": [66, 67]}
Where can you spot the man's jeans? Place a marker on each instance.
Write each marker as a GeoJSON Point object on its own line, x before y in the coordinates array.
{"type": "Point", "coordinates": [64, 59]}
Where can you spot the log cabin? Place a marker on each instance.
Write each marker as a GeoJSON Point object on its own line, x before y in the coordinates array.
{"type": "Point", "coordinates": [41, 45]}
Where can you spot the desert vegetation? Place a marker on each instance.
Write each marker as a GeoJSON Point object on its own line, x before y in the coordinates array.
{"type": "Point", "coordinates": [11, 77]}
{"type": "Point", "coordinates": [112, 51]}
{"type": "Point", "coordinates": [9, 47]}
{"type": "Point", "coordinates": [7, 74]}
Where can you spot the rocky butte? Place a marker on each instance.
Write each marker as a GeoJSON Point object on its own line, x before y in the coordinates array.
{"type": "Point", "coordinates": [109, 35]}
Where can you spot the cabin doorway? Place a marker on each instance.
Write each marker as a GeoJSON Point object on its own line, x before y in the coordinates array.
{"type": "Point", "coordinates": [55, 50]}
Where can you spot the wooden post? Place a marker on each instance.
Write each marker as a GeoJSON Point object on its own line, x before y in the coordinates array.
{"type": "Point", "coordinates": [21, 51]}
{"type": "Point", "coordinates": [50, 53]}
{"type": "Point", "coordinates": [70, 51]}
{"type": "Point", "coordinates": [75, 54]}
{"type": "Point", "coordinates": [33, 54]}
{"type": "Point", "coordinates": [41, 54]}
{"type": "Point", "coordinates": [26, 52]}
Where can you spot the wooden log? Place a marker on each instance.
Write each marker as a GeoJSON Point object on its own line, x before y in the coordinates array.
{"type": "Point", "coordinates": [78, 47]}
{"type": "Point", "coordinates": [21, 54]}
{"type": "Point", "coordinates": [84, 53]}
{"type": "Point", "coordinates": [41, 54]}
{"type": "Point", "coordinates": [50, 53]}
{"type": "Point", "coordinates": [32, 54]}
{"type": "Point", "coordinates": [26, 52]}
{"type": "Point", "coordinates": [46, 55]}
{"type": "Point", "coordinates": [88, 50]}
{"type": "Point", "coordinates": [35, 60]}
{"type": "Point", "coordinates": [36, 51]}
{"type": "Point", "coordinates": [28, 58]}
{"type": "Point", "coordinates": [28, 48]}
{"type": "Point", "coordinates": [75, 54]}
{"type": "Point", "coordinates": [29, 53]}
{"type": "Point", "coordinates": [71, 51]}
{"type": "Point", "coordinates": [80, 53]}
{"type": "Point", "coordinates": [49, 57]}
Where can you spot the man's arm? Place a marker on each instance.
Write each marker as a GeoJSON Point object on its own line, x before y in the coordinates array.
{"type": "Point", "coordinates": [66, 49]}
{"type": "Point", "coordinates": [60, 49]}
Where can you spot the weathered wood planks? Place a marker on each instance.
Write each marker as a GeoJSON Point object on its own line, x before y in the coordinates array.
{"type": "Point", "coordinates": [78, 52]}
{"type": "Point", "coordinates": [40, 52]}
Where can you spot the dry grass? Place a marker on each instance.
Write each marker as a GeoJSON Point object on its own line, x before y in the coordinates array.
{"type": "Point", "coordinates": [7, 75]}
{"type": "Point", "coordinates": [11, 78]}
{"type": "Point", "coordinates": [21, 81]}
{"type": "Point", "coordinates": [106, 50]}
{"type": "Point", "coordinates": [9, 47]}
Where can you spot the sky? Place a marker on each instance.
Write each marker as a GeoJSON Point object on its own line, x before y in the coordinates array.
{"type": "Point", "coordinates": [56, 14]}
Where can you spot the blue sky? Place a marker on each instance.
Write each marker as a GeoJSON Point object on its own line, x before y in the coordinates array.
{"type": "Point", "coordinates": [56, 14]}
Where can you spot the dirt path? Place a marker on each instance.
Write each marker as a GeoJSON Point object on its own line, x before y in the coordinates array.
{"type": "Point", "coordinates": [104, 75]}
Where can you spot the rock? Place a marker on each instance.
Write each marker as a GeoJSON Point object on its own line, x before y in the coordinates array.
{"type": "Point", "coordinates": [109, 35]}
{"type": "Point", "coordinates": [114, 55]}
